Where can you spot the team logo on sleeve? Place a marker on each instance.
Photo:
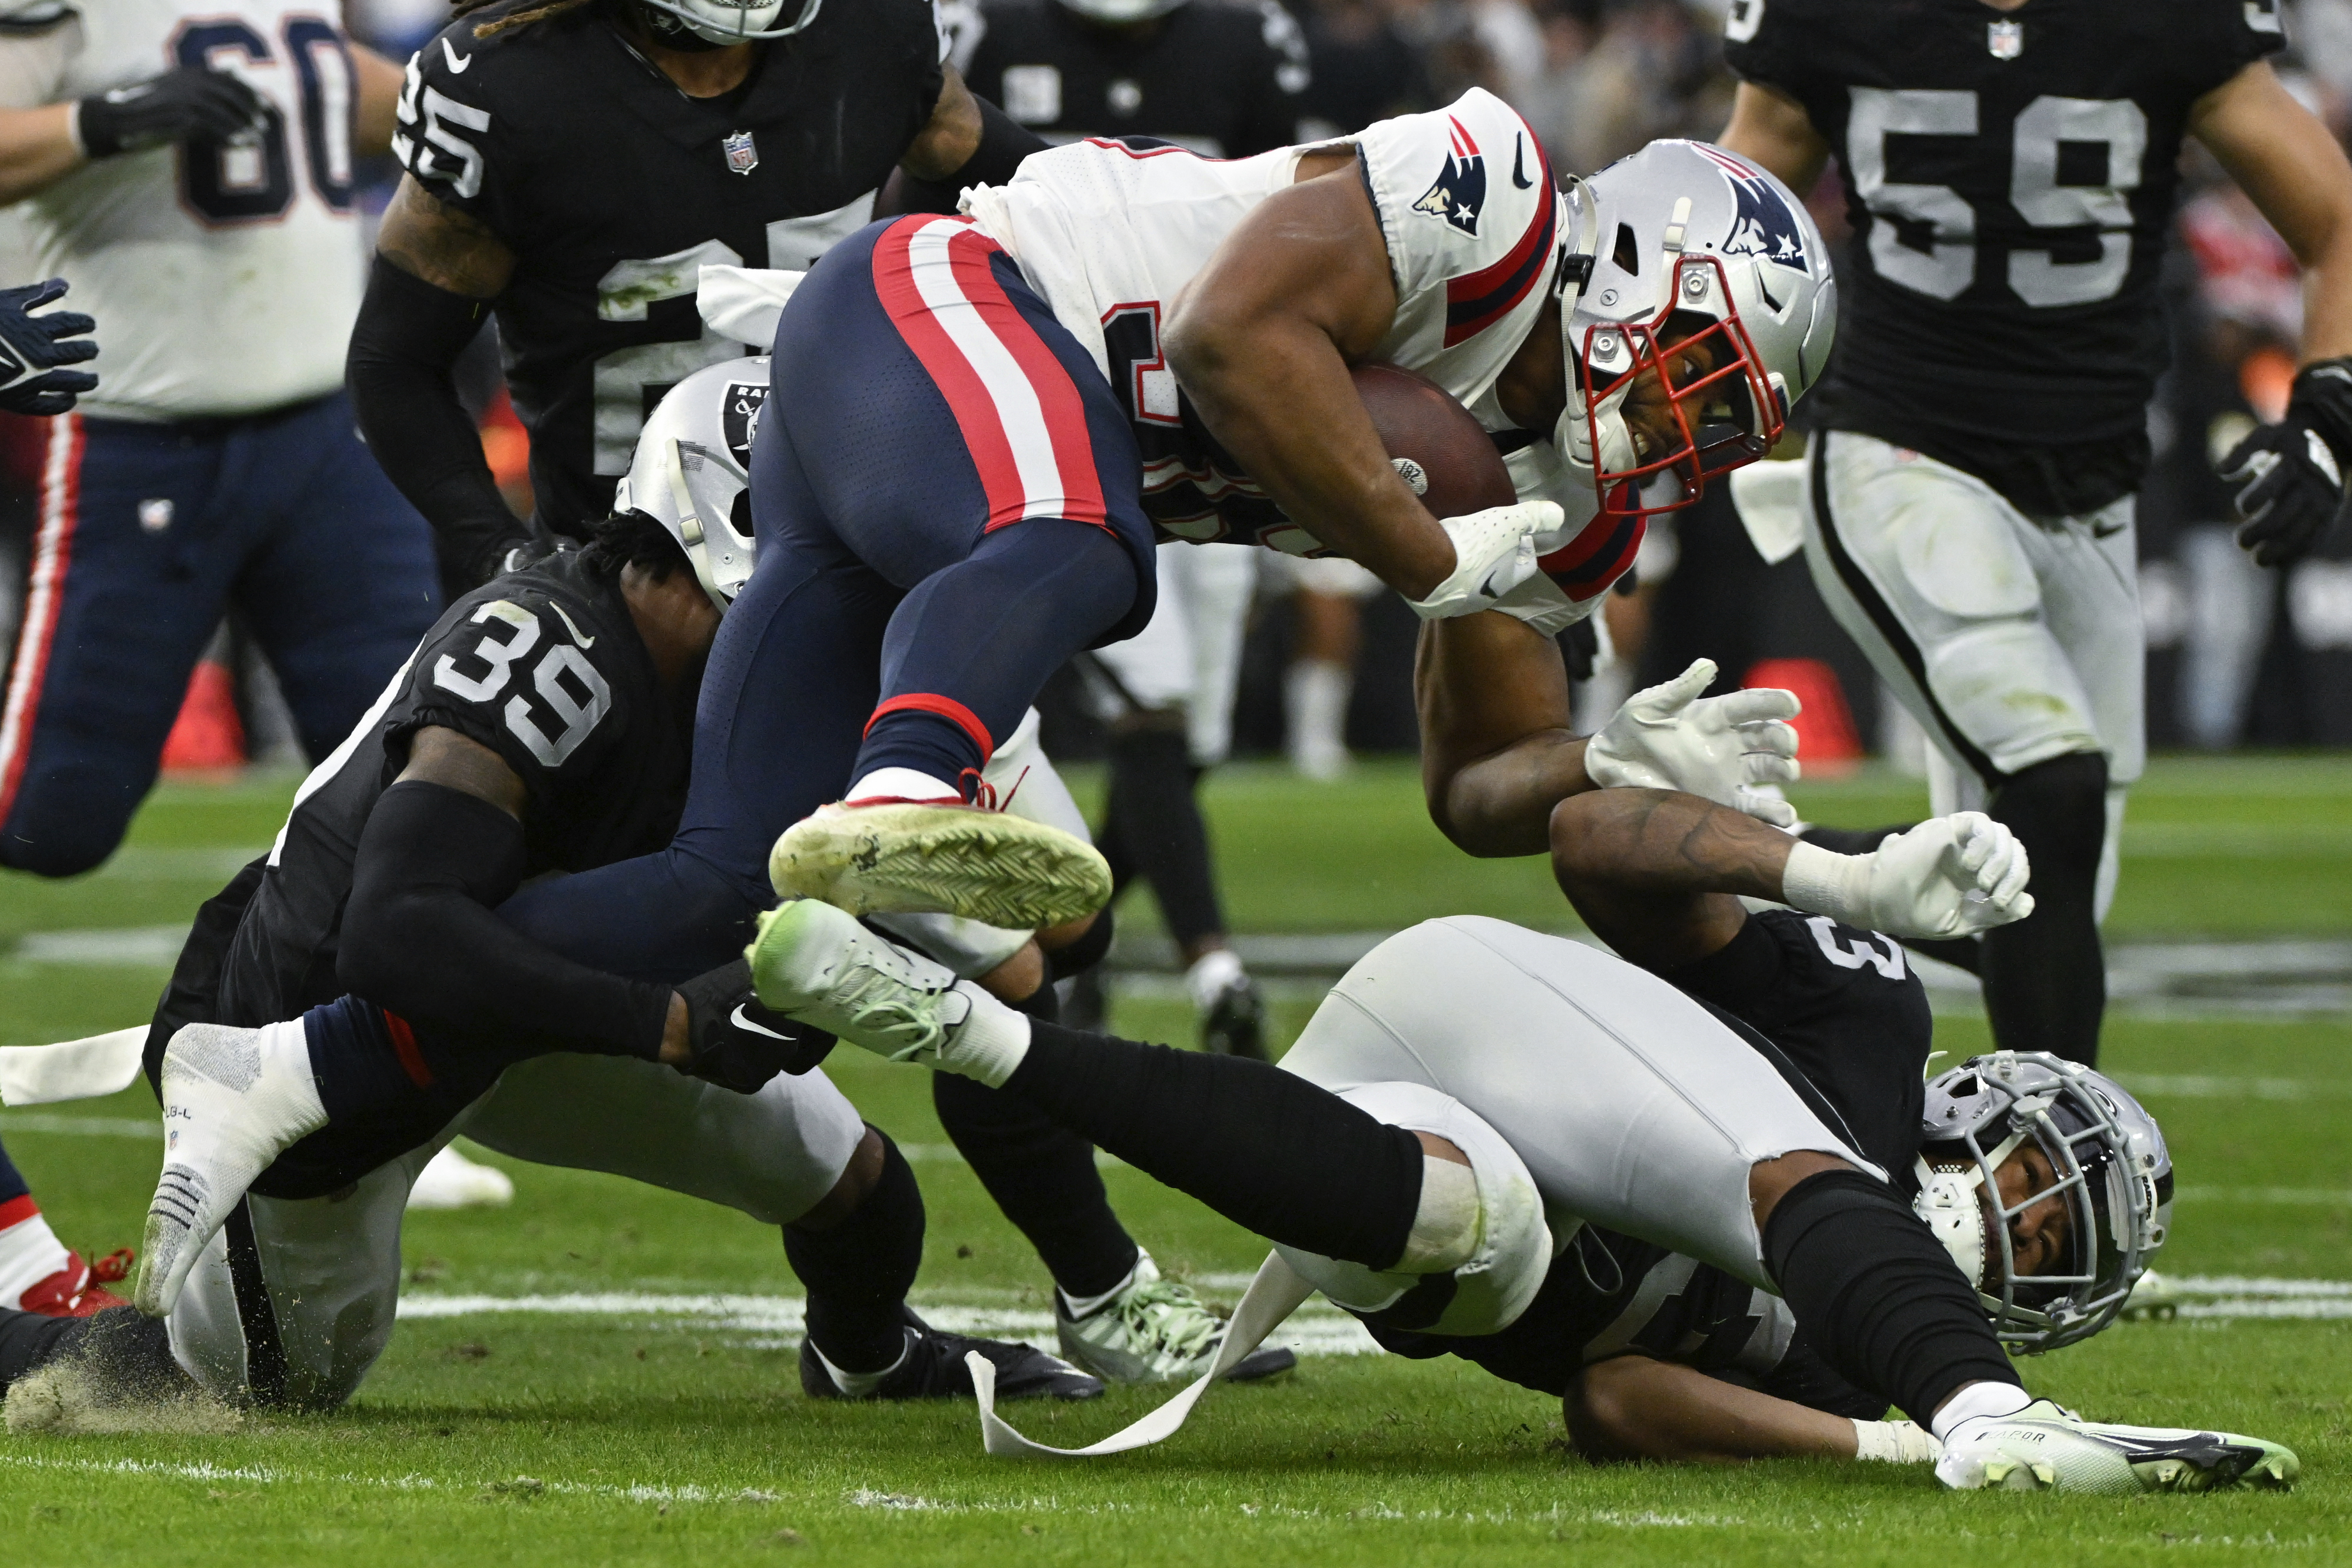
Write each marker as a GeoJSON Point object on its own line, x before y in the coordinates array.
{"type": "Point", "coordinates": [1461, 187]}
{"type": "Point", "coordinates": [1764, 225]}
{"type": "Point", "coordinates": [741, 156]}
{"type": "Point", "coordinates": [740, 419]}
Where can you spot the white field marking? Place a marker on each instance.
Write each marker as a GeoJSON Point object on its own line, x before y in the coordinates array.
{"type": "Point", "coordinates": [2167, 840]}
{"type": "Point", "coordinates": [2275, 1197]}
{"type": "Point", "coordinates": [211, 864]}
{"type": "Point", "coordinates": [265, 1475]}
{"type": "Point", "coordinates": [127, 945]}
{"type": "Point", "coordinates": [81, 1126]}
{"type": "Point", "coordinates": [1315, 1330]}
{"type": "Point", "coordinates": [2235, 1296]}
{"type": "Point", "coordinates": [2207, 1085]}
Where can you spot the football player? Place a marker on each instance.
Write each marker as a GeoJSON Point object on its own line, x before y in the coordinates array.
{"type": "Point", "coordinates": [347, 1003]}
{"type": "Point", "coordinates": [38, 1273]}
{"type": "Point", "coordinates": [570, 167]}
{"type": "Point", "coordinates": [1223, 79]}
{"type": "Point", "coordinates": [188, 168]}
{"type": "Point", "coordinates": [2010, 173]}
{"type": "Point", "coordinates": [1704, 1201]}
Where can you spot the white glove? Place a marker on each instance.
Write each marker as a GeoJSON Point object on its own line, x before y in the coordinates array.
{"type": "Point", "coordinates": [1951, 876]}
{"type": "Point", "coordinates": [1493, 553]}
{"type": "Point", "coordinates": [1668, 737]}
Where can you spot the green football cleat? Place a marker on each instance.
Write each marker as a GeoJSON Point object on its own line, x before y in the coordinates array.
{"type": "Point", "coordinates": [2046, 1447]}
{"type": "Point", "coordinates": [923, 858]}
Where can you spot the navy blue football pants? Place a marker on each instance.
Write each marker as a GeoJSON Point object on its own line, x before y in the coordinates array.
{"type": "Point", "coordinates": [948, 501]}
{"type": "Point", "coordinates": [145, 536]}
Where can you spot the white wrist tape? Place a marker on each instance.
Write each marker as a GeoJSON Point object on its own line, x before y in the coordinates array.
{"type": "Point", "coordinates": [1827, 883]}
{"type": "Point", "coordinates": [1446, 1226]}
{"type": "Point", "coordinates": [1895, 1443]}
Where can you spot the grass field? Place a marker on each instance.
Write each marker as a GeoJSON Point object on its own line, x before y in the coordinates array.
{"type": "Point", "coordinates": [668, 1422]}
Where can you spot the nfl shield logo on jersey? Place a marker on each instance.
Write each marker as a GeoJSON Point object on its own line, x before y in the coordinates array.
{"type": "Point", "coordinates": [2005, 40]}
{"type": "Point", "coordinates": [1461, 187]}
{"type": "Point", "coordinates": [741, 156]}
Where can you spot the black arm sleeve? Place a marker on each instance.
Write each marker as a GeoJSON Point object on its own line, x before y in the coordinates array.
{"type": "Point", "coordinates": [408, 335]}
{"type": "Point", "coordinates": [1003, 144]}
{"type": "Point", "coordinates": [420, 936]}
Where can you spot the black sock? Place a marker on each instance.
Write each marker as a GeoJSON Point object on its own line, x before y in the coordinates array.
{"type": "Point", "coordinates": [1158, 824]}
{"type": "Point", "coordinates": [1269, 1150]}
{"type": "Point", "coordinates": [1877, 1295]}
{"type": "Point", "coordinates": [1042, 1176]}
{"type": "Point", "coordinates": [857, 1272]}
{"type": "Point", "coordinates": [2045, 979]}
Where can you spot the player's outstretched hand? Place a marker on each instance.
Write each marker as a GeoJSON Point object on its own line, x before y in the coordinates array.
{"type": "Point", "coordinates": [736, 1043]}
{"type": "Point", "coordinates": [1669, 737]}
{"type": "Point", "coordinates": [176, 106]}
{"type": "Point", "coordinates": [2291, 473]}
{"type": "Point", "coordinates": [32, 348]}
{"type": "Point", "coordinates": [1493, 553]}
{"type": "Point", "coordinates": [1949, 875]}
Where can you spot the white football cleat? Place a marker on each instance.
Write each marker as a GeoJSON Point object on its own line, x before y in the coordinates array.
{"type": "Point", "coordinates": [2046, 1447]}
{"type": "Point", "coordinates": [450, 1180]}
{"type": "Point", "coordinates": [233, 1100]}
{"type": "Point", "coordinates": [1152, 1330]}
{"type": "Point", "coordinates": [814, 962]}
{"type": "Point", "coordinates": [894, 857]}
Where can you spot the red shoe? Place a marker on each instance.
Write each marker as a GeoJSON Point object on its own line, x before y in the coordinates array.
{"type": "Point", "coordinates": [75, 1290]}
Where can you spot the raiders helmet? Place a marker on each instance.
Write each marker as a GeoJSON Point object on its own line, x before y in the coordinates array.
{"type": "Point", "coordinates": [2113, 1174]}
{"type": "Point", "coordinates": [1683, 246]}
{"type": "Point", "coordinates": [1508, 1263]}
{"type": "Point", "coordinates": [691, 471]}
{"type": "Point", "coordinates": [736, 21]}
{"type": "Point", "coordinates": [1118, 12]}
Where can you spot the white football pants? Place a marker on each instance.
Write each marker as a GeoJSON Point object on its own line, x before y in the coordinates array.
{"type": "Point", "coordinates": [2010, 642]}
{"type": "Point", "coordinates": [331, 1268]}
{"type": "Point", "coordinates": [1189, 653]}
{"type": "Point", "coordinates": [1635, 1108]}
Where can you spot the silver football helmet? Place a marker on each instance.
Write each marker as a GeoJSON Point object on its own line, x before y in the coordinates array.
{"type": "Point", "coordinates": [736, 21]}
{"type": "Point", "coordinates": [2112, 1172]}
{"type": "Point", "coordinates": [691, 471]}
{"type": "Point", "coordinates": [1118, 12]}
{"type": "Point", "coordinates": [1684, 252]}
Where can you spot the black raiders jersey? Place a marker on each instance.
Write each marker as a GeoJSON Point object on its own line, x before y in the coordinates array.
{"type": "Point", "coordinates": [613, 188]}
{"type": "Point", "coordinates": [1841, 1015]}
{"type": "Point", "coordinates": [544, 667]}
{"type": "Point", "coordinates": [1216, 76]}
{"type": "Point", "coordinates": [2010, 176]}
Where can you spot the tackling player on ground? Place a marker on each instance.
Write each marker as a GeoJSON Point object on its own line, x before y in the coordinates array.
{"type": "Point", "coordinates": [2009, 169]}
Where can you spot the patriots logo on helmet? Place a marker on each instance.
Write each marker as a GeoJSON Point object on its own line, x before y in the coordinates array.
{"type": "Point", "coordinates": [1460, 190]}
{"type": "Point", "coordinates": [1764, 224]}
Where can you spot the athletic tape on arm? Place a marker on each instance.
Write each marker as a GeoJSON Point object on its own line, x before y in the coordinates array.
{"type": "Point", "coordinates": [71, 1070]}
{"type": "Point", "coordinates": [1271, 1297]}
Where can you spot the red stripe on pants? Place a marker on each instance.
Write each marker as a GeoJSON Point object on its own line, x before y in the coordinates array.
{"type": "Point", "coordinates": [45, 590]}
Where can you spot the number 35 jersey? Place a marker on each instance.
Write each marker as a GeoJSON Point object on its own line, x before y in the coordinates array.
{"type": "Point", "coordinates": [2011, 178]}
{"type": "Point", "coordinates": [613, 188]}
{"type": "Point", "coordinates": [546, 668]}
{"type": "Point", "coordinates": [225, 279]}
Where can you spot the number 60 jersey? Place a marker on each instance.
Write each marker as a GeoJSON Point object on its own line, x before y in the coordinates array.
{"type": "Point", "coordinates": [546, 668]}
{"type": "Point", "coordinates": [2011, 178]}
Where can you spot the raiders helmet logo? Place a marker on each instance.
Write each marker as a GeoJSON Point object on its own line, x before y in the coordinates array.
{"type": "Point", "coordinates": [740, 419]}
{"type": "Point", "coordinates": [1460, 190]}
{"type": "Point", "coordinates": [1763, 224]}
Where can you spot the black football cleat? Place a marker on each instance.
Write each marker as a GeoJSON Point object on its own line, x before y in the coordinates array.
{"type": "Point", "coordinates": [934, 1369]}
{"type": "Point", "coordinates": [1235, 1025]}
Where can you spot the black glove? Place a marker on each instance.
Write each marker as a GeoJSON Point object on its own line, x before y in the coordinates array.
{"type": "Point", "coordinates": [177, 106]}
{"type": "Point", "coordinates": [32, 346]}
{"type": "Point", "coordinates": [2295, 468]}
{"type": "Point", "coordinates": [736, 1043]}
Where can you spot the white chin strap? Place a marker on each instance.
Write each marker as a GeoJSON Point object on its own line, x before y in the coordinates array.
{"type": "Point", "coordinates": [1616, 453]}
{"type": "Point", "coordinates": [1951, 1201]}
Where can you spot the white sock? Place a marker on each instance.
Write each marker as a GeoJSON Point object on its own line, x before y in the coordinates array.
{"type": "Point", "coordinates": [858, 1384]}
{"type": "Point", "coordinates": [1211, 977]}
{"type": "Point", "coordinates": [990, 1041]}
{"type": "Point", "coordinates": [1314, 692]}
{"type": "Point", "coordinates": [1446, 1226]}
{"type": "Point", "coordinates": [901, 784]}
{"type": "Point", "coordinates": [1979, 1401]}
{"type": "Point", "coordinates": [1894, 1443]}
{"type": "Point", "coordinates": [1080, 1305]}
{"type": "Point", "coordinates": [30, 1253]}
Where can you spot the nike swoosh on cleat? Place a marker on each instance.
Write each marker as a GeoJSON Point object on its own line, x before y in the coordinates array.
{"type": "Point", "coordinates": [740, 1022]}
{"type": "Point", "coordinates": [1519, 164]}
{"type": "Point", "coordinates": [458, 62]}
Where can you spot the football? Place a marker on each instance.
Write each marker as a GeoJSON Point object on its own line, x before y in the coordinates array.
{"type": "Point", "coordinates": [1443, 453]}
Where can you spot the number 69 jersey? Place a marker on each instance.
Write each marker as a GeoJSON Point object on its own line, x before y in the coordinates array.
{"type": "Point", "coordinates": [224, 277]}
{"type": "Point", "coordinates": [546, 668]}
{"type": "Point", "coordinates": [2010, 179]}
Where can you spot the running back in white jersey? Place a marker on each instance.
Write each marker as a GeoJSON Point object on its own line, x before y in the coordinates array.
{"type": "Point", "coordinates": [225, 279]}
{"type": "Point", "coordinates": [1109, 232]}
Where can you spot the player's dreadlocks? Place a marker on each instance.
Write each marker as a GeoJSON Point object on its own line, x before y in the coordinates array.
{"type": "Point", "coordinates": [632, 539]}
{"type": "Point", "coordinates": [512, 19]}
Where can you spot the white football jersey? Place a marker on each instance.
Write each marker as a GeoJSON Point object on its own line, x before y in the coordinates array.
{"type": "Point", "coordinates": [1108, 234]}
{"type": "Point", "coordinates": [225, 279]}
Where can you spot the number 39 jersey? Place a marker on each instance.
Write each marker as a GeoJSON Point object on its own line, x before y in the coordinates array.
{"type": "Point", "coordinates": [2010, 179]}
{"type": "Point", "coordinates": [546, 668]}
{"type": "Point", "coordinates": [613, 189]}
{"type": "Point", "coordinates": [225, 279]}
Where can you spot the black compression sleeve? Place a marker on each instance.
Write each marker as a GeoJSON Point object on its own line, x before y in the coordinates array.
{"type": "Point", "coordinates": [1003, 142]}
{"type": "Point", "coordinates": [1269, 1150]}
{"type": "Point", "coordinates": [422, 938]}
{"type": "Point", "coordinates": [408, 335]}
